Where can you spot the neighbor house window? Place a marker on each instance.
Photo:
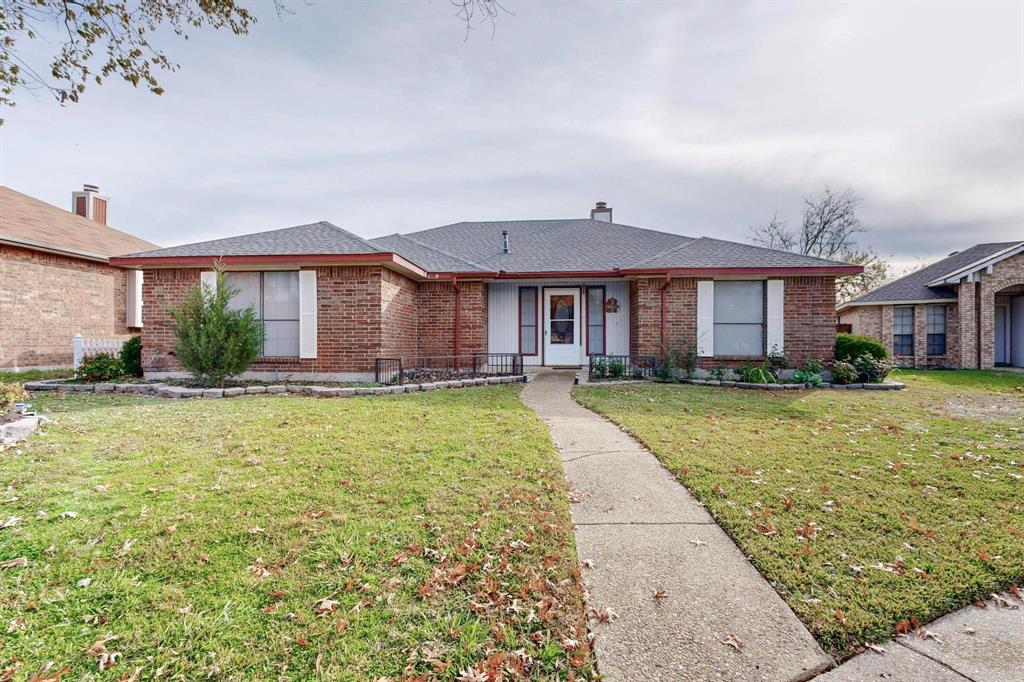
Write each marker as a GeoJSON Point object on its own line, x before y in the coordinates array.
{"type": "Point", "coordinates": [739, 318]}
{"type": "Point", "coordinates": [528, 320]}
{"type": "Point", "coordinates": [903, 330]}
{"type": "Point", "coordinates": [595, 321]}
{"type": "Point", "coordinates": [274, 297]}
{"type": "Point", "coordinates": [936, 330]}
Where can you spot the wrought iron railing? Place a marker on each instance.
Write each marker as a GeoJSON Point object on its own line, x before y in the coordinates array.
{"type": "Point", "coordinates": [423, 368]}
{"type": "Point", "coordinates": [622, 367]}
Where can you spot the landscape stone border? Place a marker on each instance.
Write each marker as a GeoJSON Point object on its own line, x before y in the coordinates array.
{"type": "Point", "coordinates": [168, 391]}
{"type": "Point", "coordinates": [884, 386]}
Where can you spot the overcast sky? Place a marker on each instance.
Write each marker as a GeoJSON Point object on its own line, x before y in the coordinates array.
{"type": "Point", "coordinates": [701, 119]}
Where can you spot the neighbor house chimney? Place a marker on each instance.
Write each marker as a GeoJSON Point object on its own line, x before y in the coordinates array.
{"type": "Point", "coordinates": [601, 212]}
{"type": "Point", "coordinates": [504, 241]}
{"type": "Point", "coordinates": [89, 204]}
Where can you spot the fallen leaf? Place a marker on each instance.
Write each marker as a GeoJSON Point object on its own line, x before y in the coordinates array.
{"type": "Point", "coordinates": [340, 626]}
{"type": "Point", "coordinates": [733, 641]}
{"type": "Point", "coordinates": [325, 606]}
{"type": "Point", "coordinates": [660, 594]}
{"type": "Point", "coordinates": [20, 562]}
{"type": "Point", "coordinates": [84, 582]}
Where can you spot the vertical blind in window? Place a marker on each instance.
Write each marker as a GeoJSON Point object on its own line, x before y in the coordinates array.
{"type": "Point", "coordinates": [274, 297]}
{"type": "Point", "coordinates": [936, 329]}
{"type": "Point", "coordinates": [739, 318]}
{"type": "Point", "coordinates": [903, 330]}
{"type": "Point", "coordinates": [595, 320]}
{"type": "Point", "coordinates": [528, 320]}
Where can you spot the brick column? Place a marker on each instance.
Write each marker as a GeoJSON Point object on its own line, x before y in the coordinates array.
{"type": "Point", "coordinates": [920, 336]}
{"type": "Point", "coordinates": [886, 330]}
{"type": "Point", "coordinates": [968, 325]}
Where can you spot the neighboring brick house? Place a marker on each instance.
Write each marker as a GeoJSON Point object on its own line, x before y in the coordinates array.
{"type": "Point", "coordinates": [555, 291]}
{"type": "Point", "coordinates": [965, 311]}
{"type": "Point", "coordinates": [56, 279]}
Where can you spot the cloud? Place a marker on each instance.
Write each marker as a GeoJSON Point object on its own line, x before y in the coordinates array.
{"type": "Point", "coordinates": [693, 118]}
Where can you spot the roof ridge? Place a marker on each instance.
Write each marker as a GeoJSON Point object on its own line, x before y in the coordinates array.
{"type": "Point", "coordinates": [347, 233]}
{"type": "Point", "coordinates": [674, 249]}
{"type": "Point", "coordinates": [768, 248]}
{"type": "Point", "coordinates": [441, 251]}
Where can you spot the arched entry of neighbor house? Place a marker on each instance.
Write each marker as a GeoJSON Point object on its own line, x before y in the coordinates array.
{"type": "Point", "coordinates": [1008, 326]}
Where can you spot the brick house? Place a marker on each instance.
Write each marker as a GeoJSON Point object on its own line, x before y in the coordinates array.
{"type": "Point", "coordinates": [555, 291]}
{"type": "Point", "coordinates": [56, 279]}
{"type": "Point", "coordinates": [965, 311]}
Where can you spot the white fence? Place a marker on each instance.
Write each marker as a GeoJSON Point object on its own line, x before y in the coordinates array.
{"type": "Point", "coordinates": [86, 347]}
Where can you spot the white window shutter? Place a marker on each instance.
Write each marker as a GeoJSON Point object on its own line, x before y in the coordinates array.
{"type": "Point", "coordinates": [133, 302]}
{"type": "Point", "coordinates": [775, 331]}
{"type": "Point", "coordinates": [209, 279]}
{"type": "Point", "coordinates": [307, 313]}
{"type": "Point", "coordinates": [705, 318]}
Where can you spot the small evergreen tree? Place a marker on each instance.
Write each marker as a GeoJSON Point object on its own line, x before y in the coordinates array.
{"type": "Point", "coordinates": [213, 342]}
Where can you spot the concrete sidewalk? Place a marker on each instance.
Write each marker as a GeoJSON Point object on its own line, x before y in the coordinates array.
{"type": "Point", "coordinates": [715, 617]}
{"type": "Point", "coordinates": [970, 645]}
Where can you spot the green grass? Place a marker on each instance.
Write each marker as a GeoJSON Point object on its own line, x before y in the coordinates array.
{"type": "Point", "coordinates": [992, 380]}
{"type": "Point", "coordinates": [8, 377]}
{"type": "Point", "coordinates": [436, 523]}
{"type": "Point", "coordinates": [864, 509]}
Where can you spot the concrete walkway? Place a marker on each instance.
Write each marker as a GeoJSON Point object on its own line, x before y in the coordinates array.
{"type": "Point", "coordinates": [970, 645]}
{"type": "Point", "coordinates": [715, 617]}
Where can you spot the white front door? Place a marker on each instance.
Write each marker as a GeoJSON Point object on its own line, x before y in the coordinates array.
{"type": "Point", "coordinates": [562, 338]}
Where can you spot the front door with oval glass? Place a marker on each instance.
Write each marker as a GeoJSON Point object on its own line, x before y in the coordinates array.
{"type": "Point", "coordinates": [562, 338]}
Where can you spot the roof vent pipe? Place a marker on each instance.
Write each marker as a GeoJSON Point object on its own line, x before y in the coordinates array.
{"type": "Point", "coordinates": [504, 241]}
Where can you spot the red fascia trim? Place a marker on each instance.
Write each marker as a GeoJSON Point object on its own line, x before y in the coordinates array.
{"type": "Point", "coordinates": [697, 272]}
{"type": "Point", "coordinates": [127, 261]}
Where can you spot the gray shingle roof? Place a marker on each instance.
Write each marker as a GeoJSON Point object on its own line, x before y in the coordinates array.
{"type": "Point", "coordinates": [428, 258]}
{"type": "Point", "coordinates": [574, 245]}
{"type": "Point", "coordinates": [707, 252]}
{"type": "Point", "coordinates": [914, 287]}
{"type": "Point", "coordinates": [550, 245]}
{"type": "Point", "coordinates": [315, 238]}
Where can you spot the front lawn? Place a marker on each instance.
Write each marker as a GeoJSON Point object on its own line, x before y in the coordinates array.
{"type": "Point", "coordinates": [868, 511]}
{"type": "Point", "coordinates": [266, 538]}
{"type": "Point", "coordinates": [8, 376]}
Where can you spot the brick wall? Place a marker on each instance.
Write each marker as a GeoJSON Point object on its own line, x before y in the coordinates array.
{"type": "Point", "coordinates": [362, 313]}
{"type": "Point", "coordinates": [45, 299]}
{"type": "Point", "coordinates": [809, 318]}
{"type": "Point", "coordinates": [435, 310]}
{"type": "Point", "coordinates": [1007, 273]}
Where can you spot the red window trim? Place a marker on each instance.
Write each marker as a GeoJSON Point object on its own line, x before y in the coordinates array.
{"type": "Point", "coordinates": [604, 318]}
{"type": "Point", "coordinates": [536, 321]}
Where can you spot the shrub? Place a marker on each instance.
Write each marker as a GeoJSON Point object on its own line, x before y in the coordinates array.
{"type": "Point", "coordinates": [776, 360]}
{"type": "Point", "coordinates": [666, 370]}
{"type": "Point", "coordinates": [756, 374]}
{"type": "Point", "coordinates": [688, 361]}
{"type": "Point", "coordinates": [871, 370]}
{"type": "Point", "coordinates": [213, 342]}
{"type": "Point", "coordinates": [101, 367]}
{"type": "Point", "coordinates": [851, 346]}
{"type": "Point", "coordinates": [10, 394]}
{"type": "Point", "coordinates": [599, 369]}
{"type": "Point", "coordinates": [843, 372]}
{"type": "Point", "coordinates": [718, 373]}
{"type": "Point", "coordinates": [616, 369]}
{"type": "Point", "coordinates": [810, 373]}
{"type": "Point", "coordinates": [131, 356]}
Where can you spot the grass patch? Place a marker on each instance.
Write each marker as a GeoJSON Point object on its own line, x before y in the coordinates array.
{"type": "Point", "coordinates": [203, 537]}
{"type": "Point", "coordinates": [984, 379]}
{"type": "Point", "coordinates": [9, 377]}
{"type": "Point", "coordinates": [864, 509]}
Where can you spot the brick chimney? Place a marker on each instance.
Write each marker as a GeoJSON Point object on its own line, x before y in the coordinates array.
{"type": "Point", "coordinates": [601, 212]}
{"type": "Point", "coordinates": [89, 204]}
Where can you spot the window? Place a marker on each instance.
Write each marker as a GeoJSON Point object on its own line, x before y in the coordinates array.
{"type": "Point", "coordinates": [903, 330]}
{"type": "Point", "coordinates": [595, 321]}
{"type": "Point", "coordinates": [936, 330]}
{"type": "Point", "coordinates": [528, 320]}
{"type": "Point", "coordinates": [739, 318]}
{"type": "Point", "coordinates": [274, 297]}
